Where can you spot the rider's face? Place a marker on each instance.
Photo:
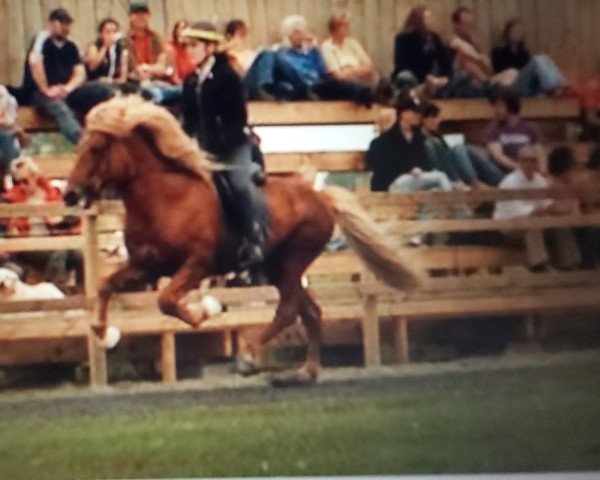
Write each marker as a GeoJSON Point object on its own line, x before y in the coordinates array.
{"type": "Point", "coordinates": [198, 51]}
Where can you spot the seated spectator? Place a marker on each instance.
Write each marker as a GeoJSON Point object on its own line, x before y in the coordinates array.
{"type": "Point", "coordinates": [474, 73]}
{"type": "Point", "coordinates": [106, 66]}
{"type": "Point", "coordinates": [32, 188]}
{"type": "Point", "coordinates": [397, 158]}
{"type": "Point", "coordinates": [509, 132]}
{"type": "Point", "coordinates": [265, 75]}
{"type": "Point", "coordinates": [105, 58]}
{"type": "Point", "coordinates": [301, 53]}
{"type": "Point", "coordinates": [178, 54]}
{"type": "Point", "coordinates": [564, 172]}
{"type": "Point", "coordinates": [420, 55]}
{"type": "Point", "coordinates": [589, 100]}
{"type": "Point", "coordinates": [461, 163]}
{"type": "Point", "coordinates": [9, 144]}
{"type": "Point", "coordinates": [53, 70]}
{"type": "Point", "coordinates": [344, 56]}
{"type": "Point", "coordinates": [537, 74]}
{"type": "Point", "coordinates": [241, 54]}
{"type": "Point", "coordinates": [147, 56]}
{"type": "Point", "coordinates": [527, 176]}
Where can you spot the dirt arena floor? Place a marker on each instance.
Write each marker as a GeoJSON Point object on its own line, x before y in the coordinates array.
{"type": "Point", "coordinates": [219, 386]}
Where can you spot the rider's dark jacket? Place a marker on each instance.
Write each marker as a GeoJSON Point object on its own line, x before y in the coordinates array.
{"type": "Point", "coordinates": [214, 111]}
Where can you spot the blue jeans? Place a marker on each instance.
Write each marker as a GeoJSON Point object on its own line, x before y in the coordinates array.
{"type": "Point", "coordinates": [8, 151]}
{"type": "Point", "coordinates": [62, 114]}
{"type": "Point", "coordinates": [540, 75]}
{"type": "Point", "coordinates": [483, 166]}
{"type": "Point", "coordinates": [442, 158]}
{"type": "Point", "coordinates": [269, 73]}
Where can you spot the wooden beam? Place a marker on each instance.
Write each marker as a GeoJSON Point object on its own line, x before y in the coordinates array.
{"type": "Point", "coordinates": [168, 360]}
{"type": "Point", "coordinates": [370, 330]}
{"type": "Point", "coordinates": [325, 113]}
{"type": "Point", "coordinates": [96, 362]}
{"type": "Point", "coordinates": [37, 244]}
{"type": "Point", "coordinates": [401, 340]}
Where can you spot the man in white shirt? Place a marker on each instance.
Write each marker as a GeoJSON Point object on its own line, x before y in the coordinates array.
{"type": "Point", "coordinates": [527, 177]}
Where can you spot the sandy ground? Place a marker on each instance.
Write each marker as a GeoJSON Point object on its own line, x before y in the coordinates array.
{"type": "Point", "coordinates": [220, 387]}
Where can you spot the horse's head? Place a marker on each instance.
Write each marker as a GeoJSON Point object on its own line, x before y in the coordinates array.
{"type": "Point", "coordinates": [102, 160]}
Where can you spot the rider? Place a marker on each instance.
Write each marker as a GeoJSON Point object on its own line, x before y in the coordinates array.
{"type": "Point", "coordinates": [214, 111]}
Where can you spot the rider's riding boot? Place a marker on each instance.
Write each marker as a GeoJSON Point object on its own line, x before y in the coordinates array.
{"type": "Point", "coordinates": [250, 253]}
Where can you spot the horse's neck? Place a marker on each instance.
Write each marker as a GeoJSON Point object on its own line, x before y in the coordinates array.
{"type": "Point", "coordinates": [154, 179]}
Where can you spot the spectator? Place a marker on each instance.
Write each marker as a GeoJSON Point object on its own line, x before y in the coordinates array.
{"type": "Point", "coordinates": [266, 76]}
{"type": "Point", "coordinates": [106, 65]}
{"type": "Point", "coordinates": [105, 58]}
{"type": "Point", "coordinates": [53, 70]}
{"type": "Point", "coordinates": [398, 159]}
{"type": "Point", "coordinates": [148, 57]}
{"type": "Point", "coordinates": [589, 99]}
{"type": "Point", "coordinates": [305, 58]}
{"type": "Point", "coordinates": [537, 74]}
{"type": "Point", "coordinates": [344, 56]}
{"type": "Point", "coordinates": [32, 188]}
{"type": "Point", "coordinates": [419, 53]}
{"type": "Point", "coordinates": [509, 132]}
{"type": "Point", "coordinates": [242, 55]}
{"type": "Point", "coordinates": [9, 145]}
{"type": "Point", "coordinates": [565, 173]}
{"type": "Point", "coordinates": [178, 54]}
{"type": "Point", "coordinates": [526, 176]}
{"type": "Point", "coordinates": [461, 163]}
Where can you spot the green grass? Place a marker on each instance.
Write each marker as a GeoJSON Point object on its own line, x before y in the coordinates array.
{"type": "Point", "coordinates": [542, 419]}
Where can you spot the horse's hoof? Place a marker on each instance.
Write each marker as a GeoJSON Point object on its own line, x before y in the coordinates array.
{"type": "Point", "coordinates": [246, 366]}
{"type": "Point", "coordinates": [296, 379]}
{"type": "Point", "coordinates": [108, 338]}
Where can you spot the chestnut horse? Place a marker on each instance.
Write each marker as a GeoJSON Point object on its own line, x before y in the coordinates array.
{"type": "Point", "coordinates": [175, 223]}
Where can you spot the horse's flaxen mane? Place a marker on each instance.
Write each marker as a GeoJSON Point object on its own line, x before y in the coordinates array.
{"type": "Point", "coordinates": [120, 116]}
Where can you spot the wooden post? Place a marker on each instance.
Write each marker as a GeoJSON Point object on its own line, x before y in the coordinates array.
{"type": "Point", "coordinates": [370, 328]}
{"type": "Point", "coordinates": [401, 338]}
{"type": "Point", "coordinates": [168, 360]}
{"type": "Point", "coordinates": [96, 353]}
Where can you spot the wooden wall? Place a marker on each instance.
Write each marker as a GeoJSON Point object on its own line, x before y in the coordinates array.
{"type": "Point", "coordinates": [566, 29]}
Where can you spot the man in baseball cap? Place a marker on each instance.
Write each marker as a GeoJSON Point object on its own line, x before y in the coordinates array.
{"type": "Point", "coordinates": [398, 159]}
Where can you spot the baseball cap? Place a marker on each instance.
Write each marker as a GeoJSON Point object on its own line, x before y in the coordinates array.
{"type": "Point", "coordinates": [61, 15]}
{"type": "Point", "coordinates": [136, 6]}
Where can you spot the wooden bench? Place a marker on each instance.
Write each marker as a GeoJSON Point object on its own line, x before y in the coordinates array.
{"type": "Point", "coordinates": [459, 115]}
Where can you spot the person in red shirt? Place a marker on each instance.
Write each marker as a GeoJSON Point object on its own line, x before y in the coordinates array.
{"type": "Point", "coordinates": [179, 58]}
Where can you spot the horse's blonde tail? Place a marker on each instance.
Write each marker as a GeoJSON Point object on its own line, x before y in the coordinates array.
{"type": "Point", "coordinates": [369, 242]}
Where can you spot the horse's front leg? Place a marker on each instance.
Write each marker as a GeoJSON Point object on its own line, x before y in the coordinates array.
{"type": "Point", "coordinates": [126, 278]}
{"type": "Point", "coordinates": [170, 300]}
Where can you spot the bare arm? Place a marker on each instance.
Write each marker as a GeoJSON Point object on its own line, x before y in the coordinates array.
{"type": "Point", "coordinates": [495, 150]}
{"type": "Point", "coordinates": [77, 78]}
{"type": "Point", "coordinates": [94, 56]}
{"type": "Point", "coordinates": [469, 52]}
{"type": "Point", "coordinates": [36, 64]}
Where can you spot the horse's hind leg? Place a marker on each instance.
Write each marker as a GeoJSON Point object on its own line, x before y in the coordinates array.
{"type": "Point", "coordinates": [125, 278]}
